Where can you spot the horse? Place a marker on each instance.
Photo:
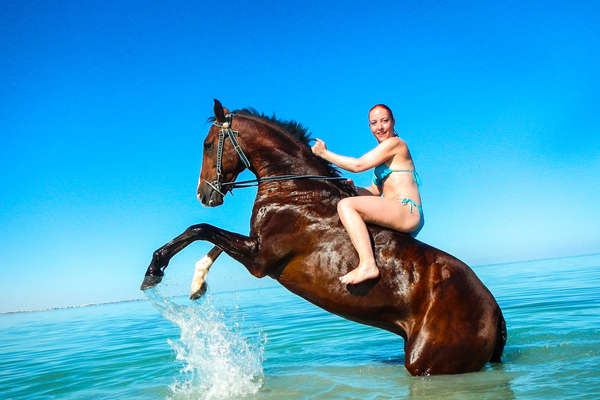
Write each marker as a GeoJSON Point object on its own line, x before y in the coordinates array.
{"type": "Point", "coordinates": [449, 320]}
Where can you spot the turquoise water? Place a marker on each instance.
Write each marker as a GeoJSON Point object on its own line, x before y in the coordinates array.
{"type": "Point", "coordinates": [270, 344]}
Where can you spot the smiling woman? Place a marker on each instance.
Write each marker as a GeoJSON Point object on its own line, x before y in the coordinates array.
{"type": "Point", "coordinates": [392, 201]}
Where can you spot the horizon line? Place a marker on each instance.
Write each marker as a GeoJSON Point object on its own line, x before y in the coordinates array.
{"type": "Point", "coordinates": [260, 288]}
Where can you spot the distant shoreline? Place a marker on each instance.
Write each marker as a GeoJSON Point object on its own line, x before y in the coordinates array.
{"type": "Point", "coordinates": [125, 301]}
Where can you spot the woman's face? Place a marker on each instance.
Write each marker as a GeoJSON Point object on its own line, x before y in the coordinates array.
{"type": "Point", "coordinates": [381, 124]}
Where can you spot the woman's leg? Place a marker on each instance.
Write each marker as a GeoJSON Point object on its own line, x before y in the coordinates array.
{"type": "Point", "coordinates": [359, 235]}
{"type": "Point", "coordinates": [355, 212]}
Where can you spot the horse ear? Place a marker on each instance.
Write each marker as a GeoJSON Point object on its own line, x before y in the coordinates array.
{"type": "Point", "coordinates": [219, 112]}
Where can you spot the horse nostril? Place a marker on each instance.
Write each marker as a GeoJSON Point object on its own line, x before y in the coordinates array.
{"type": "Point", "coordinates": [211, 202]}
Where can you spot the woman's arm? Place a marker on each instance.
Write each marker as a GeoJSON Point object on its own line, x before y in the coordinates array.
{"type": "Point", "coordinates": [383, 152]}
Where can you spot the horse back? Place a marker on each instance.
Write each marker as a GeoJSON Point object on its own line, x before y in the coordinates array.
{"type": "Point", "coordinates": [437, 285]}
{"type": "Point", "coordinates": [449, 308]}
{"type": "Point", "coordinates": [419, 285]}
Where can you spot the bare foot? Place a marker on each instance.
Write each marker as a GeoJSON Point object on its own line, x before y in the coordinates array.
{"type": "Point", "coordinates": [360, 274]}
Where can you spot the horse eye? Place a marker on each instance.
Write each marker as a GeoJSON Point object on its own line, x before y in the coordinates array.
{"type": "Point", "coordinates": [208, 145]}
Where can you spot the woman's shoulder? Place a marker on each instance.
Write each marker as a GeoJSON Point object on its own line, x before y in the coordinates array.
{"type": "Point", "coordinates": [397, 143]}
{"type": "Point", "coordinates": [393, 146]}
{"type": "Point", "coordinates": [394, 141]}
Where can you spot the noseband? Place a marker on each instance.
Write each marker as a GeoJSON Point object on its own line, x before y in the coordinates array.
{"type": "Point", "coordinates": [223, 187]}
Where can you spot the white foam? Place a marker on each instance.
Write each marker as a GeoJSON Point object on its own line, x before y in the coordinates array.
{"type": "Point", "coordinates": [217, 360]}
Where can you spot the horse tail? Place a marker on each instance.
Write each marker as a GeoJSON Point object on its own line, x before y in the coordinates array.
{"type": "Point", "coordinates": [500, 338]}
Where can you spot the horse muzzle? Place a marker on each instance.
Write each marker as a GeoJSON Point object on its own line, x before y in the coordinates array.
{"type": "Point", "coordinates": [208, 196]}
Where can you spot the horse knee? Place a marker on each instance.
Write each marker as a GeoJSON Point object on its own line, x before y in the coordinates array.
{"type": "Point", "coordinates": [427, 363]}
{"type": "Point", "coordinates": [198, 230]}
{"type": "Point", "coordinates": [414, 362]}
{"type": "Point", "coordinates": [415, 369]}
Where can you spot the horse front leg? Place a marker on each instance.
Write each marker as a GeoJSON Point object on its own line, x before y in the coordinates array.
{"type": "Point", "coordinates": [241, 248]}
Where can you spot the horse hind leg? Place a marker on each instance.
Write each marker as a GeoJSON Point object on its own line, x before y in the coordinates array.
{"type": "Point", "coordinates": [500, 338]}
{"type": "Point", "coordinates": [429, 355]}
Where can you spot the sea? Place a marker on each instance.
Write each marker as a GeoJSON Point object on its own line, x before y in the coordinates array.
{"type": "Point", "coordinates": [271, 344]}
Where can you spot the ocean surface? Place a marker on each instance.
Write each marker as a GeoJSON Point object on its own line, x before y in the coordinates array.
{"type": "Point", "coordinates": [270, 344]}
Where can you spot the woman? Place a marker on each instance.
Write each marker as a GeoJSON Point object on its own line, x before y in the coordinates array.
{"type": "Point", "coordinates": [392, 200]}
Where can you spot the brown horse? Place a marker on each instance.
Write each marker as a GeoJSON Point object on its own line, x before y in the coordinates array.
{"type": "Point", "coordinates": [449, 320]}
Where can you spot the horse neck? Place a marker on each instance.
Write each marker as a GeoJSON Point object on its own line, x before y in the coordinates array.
{"type": "Point", "coordinates": [273, 152]}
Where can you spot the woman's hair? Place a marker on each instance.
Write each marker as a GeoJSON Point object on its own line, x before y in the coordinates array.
{"type": "Point", "coordinates": [385, 107]}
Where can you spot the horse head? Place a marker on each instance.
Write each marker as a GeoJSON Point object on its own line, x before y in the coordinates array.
{"type": "Point", "coordinates": [279, 151]}
{"type": "Point", "coordinates": [222, 159]}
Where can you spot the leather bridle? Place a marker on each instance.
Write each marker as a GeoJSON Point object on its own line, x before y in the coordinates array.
{"type": "Point", "coordinates": [226, 132]}
{"type": "Point", "coordinates": [223, 187]}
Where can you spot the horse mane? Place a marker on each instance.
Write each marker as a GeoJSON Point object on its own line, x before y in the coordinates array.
{"type": "Point", "coordinates": [294, 129]}
{"type": "Point", "coordinates": [301, 134]}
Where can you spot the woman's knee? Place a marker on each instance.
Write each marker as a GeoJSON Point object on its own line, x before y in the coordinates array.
{"type": "Point", "coordinates": [344, 205]}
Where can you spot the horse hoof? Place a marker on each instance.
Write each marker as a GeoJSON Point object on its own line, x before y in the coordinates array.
{"type": "Point", "coordinates": [150, 281]}
{"type": "Point", "coordinates": [200, 292]}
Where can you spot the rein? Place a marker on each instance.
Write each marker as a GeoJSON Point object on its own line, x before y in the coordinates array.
{"type": "Point", "coordinates": [217, 185]}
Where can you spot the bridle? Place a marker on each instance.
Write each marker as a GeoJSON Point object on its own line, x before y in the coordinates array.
{"type": "Point", "coordinates": [223, 187]}
{"type": "Point", "coordinates": [226, 132]}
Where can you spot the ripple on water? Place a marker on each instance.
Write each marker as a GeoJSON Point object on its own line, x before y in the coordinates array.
{"type": "Point", "coordinates": [218, 348]}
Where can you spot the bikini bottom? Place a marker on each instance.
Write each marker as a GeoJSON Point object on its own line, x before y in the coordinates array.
{"type": "Point", "coordinates": [411, 203]}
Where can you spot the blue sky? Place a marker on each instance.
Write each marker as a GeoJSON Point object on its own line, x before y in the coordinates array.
{"type": "Point", "coordinates": [103, 110]}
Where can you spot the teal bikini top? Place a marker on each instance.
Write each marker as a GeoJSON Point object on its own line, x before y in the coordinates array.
{"type": "Point", "coordinates": [382, 171]}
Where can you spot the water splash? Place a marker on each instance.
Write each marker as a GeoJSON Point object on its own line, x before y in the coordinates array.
{"type": "Point", "coordinates": [217, 361]}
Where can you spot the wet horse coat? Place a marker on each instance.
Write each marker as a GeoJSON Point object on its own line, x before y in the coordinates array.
{"type": "Point", "coordinates": [449, 320]}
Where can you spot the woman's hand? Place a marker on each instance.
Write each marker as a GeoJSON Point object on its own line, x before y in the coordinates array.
{"type": "Point", "coordinates": [319, 148]}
